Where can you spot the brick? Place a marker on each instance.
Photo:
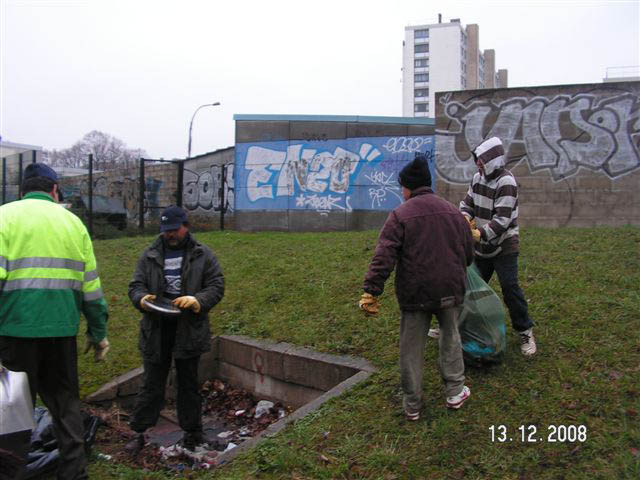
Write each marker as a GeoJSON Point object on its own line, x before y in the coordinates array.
{"type": "Point", "coordinates": [312, 370]}
{"type": "Point", "coordinates": [251, 354]}
{"type": "Point", "coordinates": [108, 391]}
{"type": "Point", "coordinates": [266, 387]}
{"type": "Point", "coordinates": [130, 382]}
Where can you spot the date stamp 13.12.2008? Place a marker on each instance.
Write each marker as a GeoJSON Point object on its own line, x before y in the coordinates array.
{"type": "Point", "coordinates": [532, 434]}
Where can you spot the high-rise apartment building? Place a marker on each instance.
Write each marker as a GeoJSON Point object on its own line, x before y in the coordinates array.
{"type": "Point", "coordinates": [442, 57]}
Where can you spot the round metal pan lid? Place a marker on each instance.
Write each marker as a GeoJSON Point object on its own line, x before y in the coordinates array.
{"type": "Point", "coordinates": [163, 306]}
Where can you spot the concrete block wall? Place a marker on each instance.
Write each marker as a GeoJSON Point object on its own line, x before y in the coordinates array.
{"type": "Point", "coordinates": [574, 149]}
{"type": "Point", "coordinates": [313, 173]}
{"type": "Point", "coordinates": [280, 372]}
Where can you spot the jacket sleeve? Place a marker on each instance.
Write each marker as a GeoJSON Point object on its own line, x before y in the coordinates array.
{"type": "Point", "coordinates": [467, 205]}
{"type": "Point", "coordinates": [385, 256]}
{"type": "Point", "coordinates": [467, 245]}
{"type": "Point", "coordinates": [138, 287]}
{"type": "Point", "coordinates": [94, 306]}
{"type": "Point", "coordinates": [212, 284]}
{"type": "Point", "coordinates": [504, 204]}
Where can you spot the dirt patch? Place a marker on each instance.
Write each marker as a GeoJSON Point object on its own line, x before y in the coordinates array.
{"type": "Point", "coordinates": [230, 416]}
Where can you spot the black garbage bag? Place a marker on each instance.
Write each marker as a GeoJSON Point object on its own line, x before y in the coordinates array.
{"type": "Point", "coordinates": [482, 322]}
{"type": "Point", "coordinates": [44, 455]}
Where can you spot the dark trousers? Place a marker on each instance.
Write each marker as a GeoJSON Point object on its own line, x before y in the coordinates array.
{"type": "Point", "coordinates": [51, 364]}
{"type": "Point", "coordinates": [506, 266]}
{"type": "Point", "coordinates": [150, 400]}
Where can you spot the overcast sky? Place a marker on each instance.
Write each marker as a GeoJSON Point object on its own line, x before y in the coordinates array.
{"type": "Point", "coordinates": [138, 69]}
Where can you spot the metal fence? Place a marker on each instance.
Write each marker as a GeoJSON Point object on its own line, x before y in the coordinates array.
{"type": "Point", "coordinates": [124, 201]}
{"type": "Point", "coordinates": [12, 171]}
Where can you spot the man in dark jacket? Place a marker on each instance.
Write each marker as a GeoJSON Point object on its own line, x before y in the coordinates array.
{"type": "Point", "coordinates": [431, 244]}
{"type": "Point", "coordinates": [187, 273]}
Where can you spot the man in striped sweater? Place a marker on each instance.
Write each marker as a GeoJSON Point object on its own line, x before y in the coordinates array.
{"type": "Point", "coordinates": [491, 207]}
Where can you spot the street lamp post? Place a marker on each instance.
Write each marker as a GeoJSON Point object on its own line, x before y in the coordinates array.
{"type": "Point", "coordinates": [191, 124]}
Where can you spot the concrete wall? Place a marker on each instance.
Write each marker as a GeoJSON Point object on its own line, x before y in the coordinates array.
{"type": "Point", "coordinates": [574, 149]}
{"type": "Point", "coordinates": [205, 194]}
{"type": "Point", "coordinates": [303, 174]}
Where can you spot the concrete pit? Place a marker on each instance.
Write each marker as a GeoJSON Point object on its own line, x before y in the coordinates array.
{"type": "Point", "coordinates": [237, 374]}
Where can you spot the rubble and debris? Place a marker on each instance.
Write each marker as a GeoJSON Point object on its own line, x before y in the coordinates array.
{"type": "Point", "coordinates": [224, 429]}
{"type": "Point", "coordinates": [263, 407]}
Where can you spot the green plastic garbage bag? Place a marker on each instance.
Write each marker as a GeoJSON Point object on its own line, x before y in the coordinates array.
{"type": "Point", "coordinates": [482, 322]}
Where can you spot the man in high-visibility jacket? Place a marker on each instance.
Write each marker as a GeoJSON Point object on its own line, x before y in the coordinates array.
{"type": "Point", "coordinates": [48, 277]}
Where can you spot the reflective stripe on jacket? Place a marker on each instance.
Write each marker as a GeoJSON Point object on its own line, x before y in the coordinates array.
{"type": "Point", "coordinates": [48, 272]}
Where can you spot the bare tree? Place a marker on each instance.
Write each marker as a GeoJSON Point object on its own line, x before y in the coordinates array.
{"type": "Point", "coordinates": [108, 152]}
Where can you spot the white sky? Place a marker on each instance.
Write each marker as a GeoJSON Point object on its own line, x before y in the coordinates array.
{"type": "Point", "coordinates": [138, 69]}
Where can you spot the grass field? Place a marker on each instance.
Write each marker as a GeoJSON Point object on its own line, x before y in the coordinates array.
{"type": "Point", "coordinates": [583, 287]}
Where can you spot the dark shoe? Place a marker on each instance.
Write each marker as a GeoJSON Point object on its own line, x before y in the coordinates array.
{"type": "Point", "coordinates": [192, 439]}
{"type": "Point", "coordinates": [135, 445]}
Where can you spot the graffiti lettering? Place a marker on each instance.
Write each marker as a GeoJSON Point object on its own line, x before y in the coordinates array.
{"type": "Point", "coordinates": [314, 137]}
{"type": "Point", "coordinates": [406, 144]}
{"type": "Point", "coordinates": [309, 170]}
{"type": "Point", "coordinates": [383, 184]}
{"type": "Point", "coordinates": [320, 203]}
{"type": "Point", "coordinates": [203, 190]}
{"type": "Point", "coordinates": [561, 134]}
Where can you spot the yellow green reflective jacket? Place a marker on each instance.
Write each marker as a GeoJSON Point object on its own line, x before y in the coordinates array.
{"type": "Point", "coordinates": [48, 272]}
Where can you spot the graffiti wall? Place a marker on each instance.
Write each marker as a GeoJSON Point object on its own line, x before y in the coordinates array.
{"type": "Point", "coordinates": [208, 188]}
{"type": "Point", "coordinates": [321, 172]}
{"type": "Point", "coordinates": [575, 150]}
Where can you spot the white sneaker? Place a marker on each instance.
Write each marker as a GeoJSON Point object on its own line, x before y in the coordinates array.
{"type": "Point", "coordinates": [456, 401]}
{"type": "Point", "coordinates": [527, 343]}
{"type": "Point", "coordinates": [413, 417]}
{"type": "Point", "coordinates": [434, 332]}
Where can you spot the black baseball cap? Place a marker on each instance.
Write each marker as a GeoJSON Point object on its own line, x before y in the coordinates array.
{"type": "Point", "coordinates": [172, 217]}
{"type": "Point", "coordinates": [40, 170]}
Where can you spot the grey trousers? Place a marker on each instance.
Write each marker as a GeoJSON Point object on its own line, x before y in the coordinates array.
{"type": "Point", "coordinates": [414, 327]}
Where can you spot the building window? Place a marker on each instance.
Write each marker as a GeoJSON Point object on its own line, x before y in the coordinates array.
{"type": "Point", "coordinates": [421, 77]}
{"type": "Point", "coordinates": [423, 48]}
{"type": "Point", "coordinates": [421, 92]}
{"type": "Point", "coordinates": [421, 107]}
{"type": "Point", "coordinates": [421, 62]}
{"type": "Point", "coordinates": [421, 33]}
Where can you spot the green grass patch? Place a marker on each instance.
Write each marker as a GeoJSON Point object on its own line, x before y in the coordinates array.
{"type": "Point", "coordinates": [583, 289]}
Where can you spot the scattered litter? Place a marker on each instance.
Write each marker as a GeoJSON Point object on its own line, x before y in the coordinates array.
{"type": "Point", "coordinates": [263, 407]}
{"type": "Point", "coordinates": [230, 416]}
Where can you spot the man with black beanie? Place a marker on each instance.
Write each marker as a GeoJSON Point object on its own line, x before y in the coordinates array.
{"type": "Point", "coordinates": [430, 241]}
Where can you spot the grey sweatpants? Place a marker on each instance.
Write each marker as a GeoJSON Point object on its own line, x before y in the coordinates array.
{"type": "Point", "coordinates": [414, 327]}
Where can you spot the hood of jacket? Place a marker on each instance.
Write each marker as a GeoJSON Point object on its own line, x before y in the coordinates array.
{"type": "Point", "coordinates": [491, 152]}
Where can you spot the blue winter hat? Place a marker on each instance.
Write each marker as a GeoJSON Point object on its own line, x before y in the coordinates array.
{"type": "Point", "coordinates": [172, 217]}
{"type": "Point", "coordinates": [40, 170]}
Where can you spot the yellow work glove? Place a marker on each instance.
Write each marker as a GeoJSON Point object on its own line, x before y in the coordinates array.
{"type": "Point", "coordinates": [369, 304]}
{"type": "Point", "coordinates": [143, 305]}
{"type": "Point", "coordinates": [475, 232]}
{"type": "Point", "coordinates": [101, 348]}
{"type": "Point", "coordinates": [472, 223]}
{"type": "Point", "coordinates": [187, 302]}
